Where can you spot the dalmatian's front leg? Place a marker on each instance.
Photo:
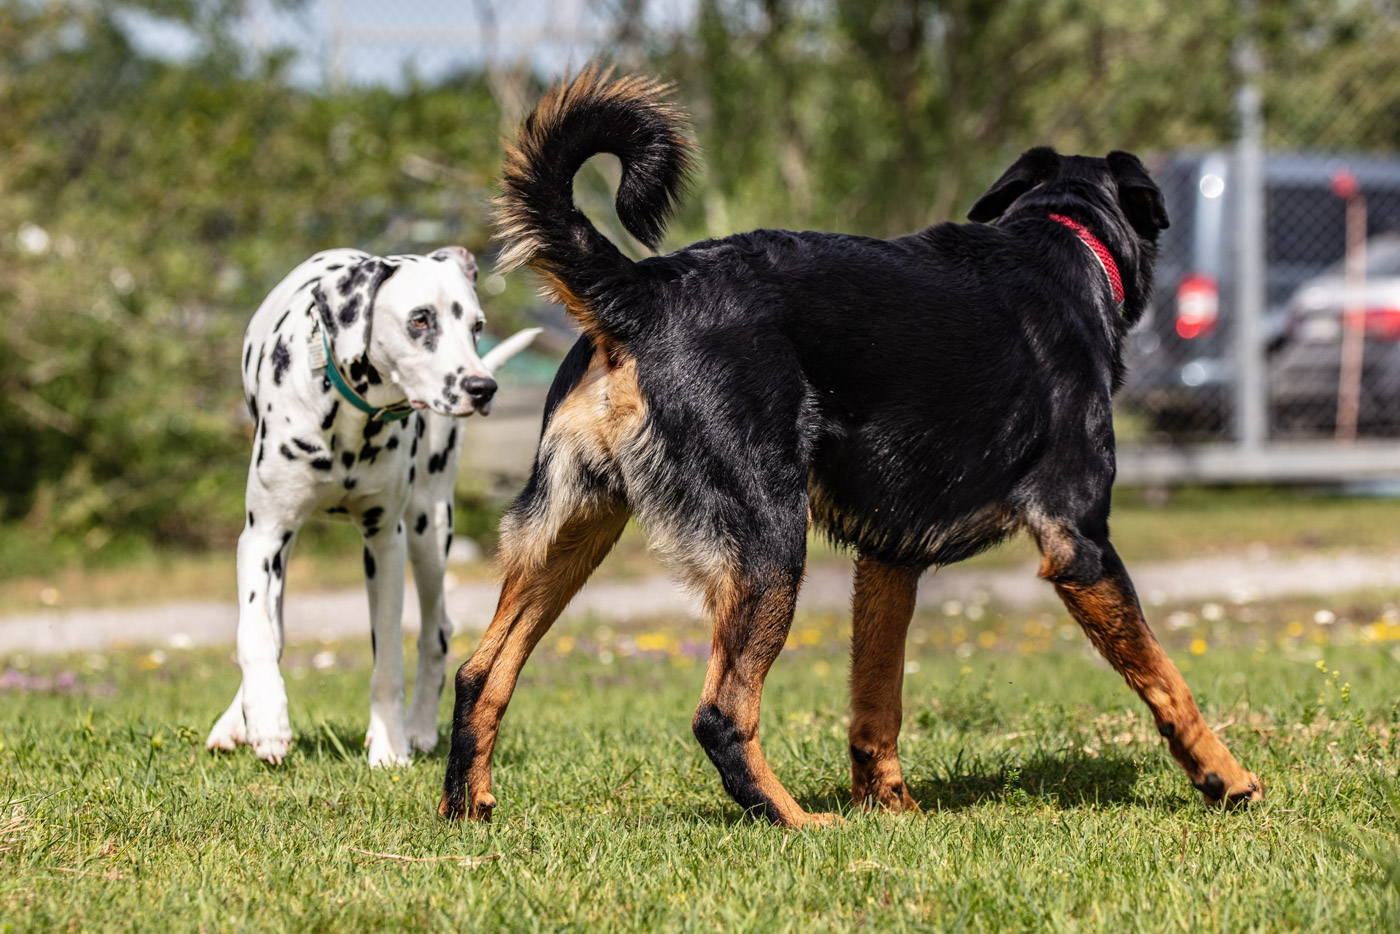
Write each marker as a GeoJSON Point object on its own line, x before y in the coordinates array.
{"type": "Point", "coordinates": [386, 562]}
{"type": "Point", "coordinates": [429, 520]}
{"type": "Point", "coordinates": [258, 714]}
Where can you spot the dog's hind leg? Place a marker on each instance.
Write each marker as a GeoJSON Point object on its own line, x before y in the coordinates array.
{"type": "Point", "coordinates": [882, 607]}
{"type": "Point", "coordinates": [532, 597]}
{"type": "Point", "coordinates": [1093, 584]}
{"type": "Point", "coordinates": [753, 608]}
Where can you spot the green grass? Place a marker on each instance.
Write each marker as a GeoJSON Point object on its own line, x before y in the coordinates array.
{"type": "Point", "coordinates": [1050, 803]}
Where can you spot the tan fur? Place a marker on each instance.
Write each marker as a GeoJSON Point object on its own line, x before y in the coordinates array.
{"type": "Point", "coordinates": [1109, 613]}
{"type": "Point", "coordinates": [515, 226]}
{"type": "Point", "coordinates": [882, 607]}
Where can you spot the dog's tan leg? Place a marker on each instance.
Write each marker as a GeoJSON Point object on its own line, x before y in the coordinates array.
{"type": "Point", "coordinates": [532, 597]}
{"type": "Point", "coordinates": [752, 616]}
{"type": "Point", "coordinates": [1101, 598]}
{"type": "Point", "coordinates": [883, 606]}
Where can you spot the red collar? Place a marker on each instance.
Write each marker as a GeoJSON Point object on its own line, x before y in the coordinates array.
{"type": "Point", "coordinates": [1105, 258]}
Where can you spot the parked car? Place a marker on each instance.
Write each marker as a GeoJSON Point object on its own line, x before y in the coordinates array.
{"type": "Point", "coordinates": [1303, 374]}
{"type": "Point", "coordinates": [1181, 357]}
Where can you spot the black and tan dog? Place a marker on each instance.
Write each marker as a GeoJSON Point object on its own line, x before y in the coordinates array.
{"type": "Point", "coordinates": [919, 399]}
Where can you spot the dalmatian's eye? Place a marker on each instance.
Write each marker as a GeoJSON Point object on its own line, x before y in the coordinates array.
{"type": "Point", "coordinates": [421, 319]}
{"type": "Point", "coordinates": [480, 323]}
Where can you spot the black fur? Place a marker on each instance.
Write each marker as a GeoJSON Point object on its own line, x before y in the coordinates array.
{"type": "Point", "coordinates": [923, 396]}
{"type": "Point", "coordinates": [926, 394]}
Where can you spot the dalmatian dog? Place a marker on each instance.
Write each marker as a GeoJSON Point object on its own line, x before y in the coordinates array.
{"type": "Point", "coordinates": [356, 369]}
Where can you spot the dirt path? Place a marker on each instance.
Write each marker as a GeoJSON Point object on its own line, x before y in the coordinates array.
{"type": "Point", "coordinates": [828, 586]}
{"type": "Point", "coordinates": [311, 616]}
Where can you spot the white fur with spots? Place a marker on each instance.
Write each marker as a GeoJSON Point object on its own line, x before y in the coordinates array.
{"type": "Point", "coordinates": [402, 328]}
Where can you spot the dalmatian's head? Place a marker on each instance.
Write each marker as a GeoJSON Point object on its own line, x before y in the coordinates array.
{"type": "Point", "coordinates": [412, 321]}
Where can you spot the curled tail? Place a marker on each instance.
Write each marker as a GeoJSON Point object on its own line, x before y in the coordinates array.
{"type": "Point", "coordinates": [541, 227]}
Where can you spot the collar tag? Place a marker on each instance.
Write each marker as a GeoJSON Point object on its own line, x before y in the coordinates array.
{"type": "Point", "coordinates": [316, 347]}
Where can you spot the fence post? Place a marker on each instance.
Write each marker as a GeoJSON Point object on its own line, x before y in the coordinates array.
{"type": "Point", "coordinates": [1251, 387]}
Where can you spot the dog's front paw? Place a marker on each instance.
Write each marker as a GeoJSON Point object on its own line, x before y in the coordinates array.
{"type": "Point", "coordinates": [270, 735]}
{"type": "Point", "coordinates": [383, 752]}
{"type": "Point", "coordinates": [423, 741]}
{"type": "Point", "coordinates": [229, 732]}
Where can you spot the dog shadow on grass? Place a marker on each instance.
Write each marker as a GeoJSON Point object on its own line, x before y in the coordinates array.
{"type": "Point", "coordinates": [1062, 779]}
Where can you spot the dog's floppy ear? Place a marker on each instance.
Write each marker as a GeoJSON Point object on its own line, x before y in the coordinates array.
{"type": "Point", "coordinates": [345, 300]}
{"type": "Point", "coordinates": [1035, 166]}
{"type": "Point", "coordinates": [459, 255]}
{"type": "Point", "coordinates": [1140, 197]}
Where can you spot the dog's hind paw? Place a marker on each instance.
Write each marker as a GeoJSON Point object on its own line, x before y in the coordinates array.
{"type": "Point", "coordinates": [272, 739]}
{"type": "Point", "coordinates": [1244, 790]}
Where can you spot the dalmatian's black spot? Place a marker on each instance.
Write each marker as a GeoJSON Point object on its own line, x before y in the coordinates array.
{"type": "Point", "coordinates": [437, 463]}
{"type": "Point", "coordinates": [442, 642]}
{"type": "Point", "coordinates": [337, 511]}
{"type": "Point", "coordinates": [369, 572]}
{"type": "Point", "coordinates": [412, 473]}
{"type": "Point", "coordinates": [368, 453]}
{"type": "Point", "coordinates": [370, 531]}
{"type": "Point", "coordinates": [358, 369]}
{"type": "Point", "coordinates": [247, 357]}
{"type": "Point", "coordinates": [350, 311]}
{"type": "Point", "coordinates": [281, 359]}
{"type": "Point", "coordinates": [322, 463]}
{"type": "Point", "coordinates": [252, 595]}
{"type": "Point", "coordinates": [450, 520]}
{"type": "Point", "coordinates": [374, 378]}
{"type": "Point", "coordinates": [253, 407]}
{"type": "Point", "coordinates": [323, 308]}
{"type": "Point", "coordinates": [451, 398]}
{"type": "Point", "coordinates": [392, 443]}
{"type": "Point", "coordinates": [362, 388]}
{"type": "Point", "coordinates": [333, 444]}
{"type": "Point", "coordinates": [257, 375]}
{"type": "Point", "coordinates": [373, 515]}
{"type": "Point", "coordinates": [457, 310]}
{"type": "Point", "coordinates": [348, 459]}
{"type": "Point", "coordinates": [350, 483]}
{"type": "Point", "coordinates": [287, 452]}
{"type": "Point", "coordinates": [421, 525]}
{"type": "Point", "coordinates": [276, 328]}
{"type": "Point", "coordinates": [398, 529]}
{"type": "Point", "coordinates": [250, 518]}
{"type": "Point", "coordinates": [257, 462]}
{"type": "Point", "coordinates": [334, 266]}
{"type": "Point", "coordinates": [277, 564]}
{"type": "Point", "coordinates": [307, 284]}
{"type": "Point", "coordinates": [306, 446]}
{"type": "Point", "coordinates": [266, 567]}
{"type": "Point", "coordinates": [420, 427]}
{"type": "Point", "coordinates": [448, 550]}
{"type": "Point", "coordinates": [413, 450]}
{"type": "Point", "coordinates": [329, 420]}
{"type": "Point", "coordinates": [372, 428]}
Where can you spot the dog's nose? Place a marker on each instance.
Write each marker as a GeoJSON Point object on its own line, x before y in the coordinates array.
{"type": "Point", "coordinates": [479, 388]}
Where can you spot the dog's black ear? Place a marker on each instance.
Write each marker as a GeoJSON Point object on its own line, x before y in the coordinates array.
{"type": "Point", "coordinates": [1140, 197]}
{"type": "Point", "coordinates": [345, 301]}
{"type": "Point", "coordinates": [1035, 166]}
{"type": "Point", "coordinates": [459, 255]}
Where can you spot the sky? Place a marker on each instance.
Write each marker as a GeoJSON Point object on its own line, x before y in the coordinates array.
{"type": "Point", "coordinates": [376, 41]}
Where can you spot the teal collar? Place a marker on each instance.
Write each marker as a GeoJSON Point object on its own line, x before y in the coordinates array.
{"type": "Point", "coordinates": [325, 359]}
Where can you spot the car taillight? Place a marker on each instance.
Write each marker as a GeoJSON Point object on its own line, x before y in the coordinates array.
{"type": "Point", "coordinates": [1197, 305]}
{"type": "Point", "coordinates": [1382, 323]}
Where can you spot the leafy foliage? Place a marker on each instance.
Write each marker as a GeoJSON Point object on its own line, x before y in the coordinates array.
{"type": "Point", "coordinates": [146, 206]}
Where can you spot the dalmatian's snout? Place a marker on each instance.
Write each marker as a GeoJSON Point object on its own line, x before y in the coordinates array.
{"type": "Point", "coordinates": [480, 389]}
